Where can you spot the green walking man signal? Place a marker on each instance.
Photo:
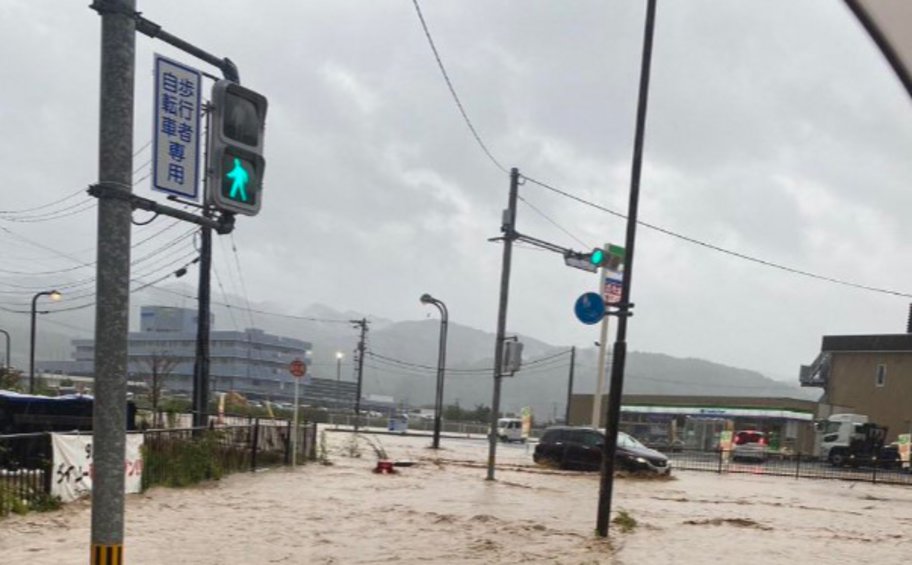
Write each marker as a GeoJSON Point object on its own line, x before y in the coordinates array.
{"type": "Point", "coordinates": [235, 160]}
{"type": "Point", "coordinates": [239, 179]}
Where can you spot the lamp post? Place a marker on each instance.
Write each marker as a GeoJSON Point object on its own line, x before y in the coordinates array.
{"type": "Point", "coordinates": [55, 296]}
{"type": "Point", "coordinates": [441, 363]}
{"type": "Point", "coordinates": [6, 333]}
{"type": "Point", "coordinates": [338, 379]}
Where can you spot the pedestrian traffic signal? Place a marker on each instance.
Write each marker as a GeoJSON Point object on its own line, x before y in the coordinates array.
{"type": "Point", "coordinates": [236, 164]}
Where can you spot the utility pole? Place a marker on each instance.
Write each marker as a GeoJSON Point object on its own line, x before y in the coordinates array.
{"type": "Point", "coordinates": [620, 345]}
{"type": "Point", "coordinates": [570, 384]}
{"type": "Point", "coordinates": [112, 290]}
{"type": "Point", "coordinates": [508, 227]}
{"type": "Point", "coordinates": [362, 323]}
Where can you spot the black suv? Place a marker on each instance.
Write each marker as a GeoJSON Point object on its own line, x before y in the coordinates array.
{"type": "Point", "coordinates": [581, 448]}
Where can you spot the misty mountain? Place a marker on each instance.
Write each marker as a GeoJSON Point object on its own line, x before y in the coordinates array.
{"type": "Point", "coordinates": [402, 357]}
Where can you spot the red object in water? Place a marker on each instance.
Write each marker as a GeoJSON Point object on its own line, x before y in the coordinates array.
{"type": "Point", "coordinates": [384, 467]}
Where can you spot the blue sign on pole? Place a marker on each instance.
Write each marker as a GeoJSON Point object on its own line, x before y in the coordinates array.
{"type": "Point", "coordinates": [590, 308]}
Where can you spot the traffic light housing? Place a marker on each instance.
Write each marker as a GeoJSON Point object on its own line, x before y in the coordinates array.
{"type": "Point", "coordinates": [612, 259]}
{"type": "Point", "coordinates": [236, 164]}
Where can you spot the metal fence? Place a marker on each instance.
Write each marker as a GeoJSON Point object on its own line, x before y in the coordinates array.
{"type": "Point", "coordinates": [171, 457]}
{"type": "Point", "coordinates": [795, 465]}
{"type": "Point", "coordinates": [414, 424]}
{"type": "Point", "coordinates": [25, 471]}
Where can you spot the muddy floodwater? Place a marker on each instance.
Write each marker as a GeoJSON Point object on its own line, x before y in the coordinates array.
{"type": "Point", "coordinates": [441, 510]}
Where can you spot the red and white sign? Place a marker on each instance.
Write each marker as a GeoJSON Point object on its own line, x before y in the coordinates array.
{"type": "Point", "coordinates": [612, 290]}
{"type": "Point", "coordinates": [297, 368]}
{"type": "Point", "coordinates": [74, 465]}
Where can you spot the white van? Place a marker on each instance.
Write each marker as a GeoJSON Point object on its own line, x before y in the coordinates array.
{"type": "Point", "coordinates": [510, 429]}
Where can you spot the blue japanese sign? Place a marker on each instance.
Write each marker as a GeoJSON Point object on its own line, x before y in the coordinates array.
{"type": "Point", "coordinates": [590, 308]}
{"type": "Point", "coordinates": [176, 130]}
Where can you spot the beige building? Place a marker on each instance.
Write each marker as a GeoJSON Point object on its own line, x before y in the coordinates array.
{"type": "Point", "coordinates": [865, 374]}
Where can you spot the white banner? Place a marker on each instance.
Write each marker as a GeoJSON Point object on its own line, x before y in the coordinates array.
{"type": "Point", "coordinates": [73, 465]}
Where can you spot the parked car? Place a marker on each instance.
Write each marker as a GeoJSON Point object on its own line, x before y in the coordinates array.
{"type": "Point", "coordinates": [581, 448]}
{"type": "Point", "coordinates": [749, 444]}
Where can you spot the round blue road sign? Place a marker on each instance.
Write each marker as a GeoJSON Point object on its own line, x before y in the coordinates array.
{"type": "Point", "coordinates": [590, 308]}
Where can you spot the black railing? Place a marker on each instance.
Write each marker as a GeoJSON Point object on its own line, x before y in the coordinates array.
{"type": "Point", "coordinates": [797, 465]}
{"type": "Point", "coordinates": [25, 472]}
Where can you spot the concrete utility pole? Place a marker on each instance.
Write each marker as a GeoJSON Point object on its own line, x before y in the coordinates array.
{"type": "Point", "coordinates": [509, 230]}
{"type": "Point", "coordinates": [620, 344]}
{"type": "Point", "coordinates": [362, 323]}
{"type": "Point", "coordinates": [112, 291]}
{"type": "Point", "coordinates": [570, 384]}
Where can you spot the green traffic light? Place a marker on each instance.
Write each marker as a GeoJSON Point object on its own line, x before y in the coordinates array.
{"type": "Point", "coordinates": [239, 178]}
{"type": "Point", "coordinates": [597, 256]}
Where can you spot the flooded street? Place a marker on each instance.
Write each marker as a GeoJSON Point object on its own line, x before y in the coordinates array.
{"type": "Point", "coordinates": [441, 510]}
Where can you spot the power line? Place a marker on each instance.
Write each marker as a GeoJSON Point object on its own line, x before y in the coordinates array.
{"type": "Point", "coordinates": [258, 311]}
{"type": "Point", "coordinates": [552, 222]}
{"type": "Point", "coordinates": [392, 360]}
{"type": "Point", "coordinates": [237, 262]}
{"type": "Point", "coordinates": [218, 281]}
{"type": "Point", "coordinates": [67, 197]}
{"type": "Point", "coordinates": [142, 286]}
{"type": "Point", "coordinates": [714, 247]}
{"type": "Point", "coordinates": [449, 83]}
{"type": "Point", "coordinates": [654, 227]}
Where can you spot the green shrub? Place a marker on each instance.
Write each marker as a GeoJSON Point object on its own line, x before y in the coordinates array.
{"type": "Point", "coordinates": [180, 462]}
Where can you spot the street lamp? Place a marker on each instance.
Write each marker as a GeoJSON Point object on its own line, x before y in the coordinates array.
{"type": "Point", "coordinates": [441, 363]}
{"type": "Point", "coordinates": [338, 379]}
{"type": "Point", "coordinates": [6, 333]}
{"type": "Point", "coordinates": [55, 296]}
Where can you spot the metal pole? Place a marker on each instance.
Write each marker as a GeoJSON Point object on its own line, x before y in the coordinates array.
{"type": "Point", "coordinates": [201, 367]}
{"type": "Point", "coordinates": [570, 384]}
{"type": "Point", "coordinates": [6, 333]}
{"type": "Point", "coordinates": [441, 364]}
{"type": "Point", "coordinates": [294, 430]}
{"type": "Point", "coordinates": [620, 345]}
{"type": "Point", "coordinates": [509, 230]}
{"type": "Point", "coordinates": [603, 349]}
{"type": "Point", "coordinates": [363, 324]}
{"type": "Point", "coordinates": [338, 380]}
{"type": "Point", "coordinates": [32, 347]}
{"type": "Point", "coordinates": [112, 290]}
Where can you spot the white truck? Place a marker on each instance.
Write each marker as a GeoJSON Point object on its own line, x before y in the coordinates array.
{"type": "Point", "coordinates": [850, 439]}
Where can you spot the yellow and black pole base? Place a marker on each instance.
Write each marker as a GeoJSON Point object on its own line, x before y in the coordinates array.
{"type": "Point", "coordinates": [107, 554]}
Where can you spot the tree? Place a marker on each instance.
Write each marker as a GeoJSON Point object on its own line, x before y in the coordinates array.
{"type": "Point", "coordinates": [10, 379]}
{"type": "Point", "coordinates": [160, 364]}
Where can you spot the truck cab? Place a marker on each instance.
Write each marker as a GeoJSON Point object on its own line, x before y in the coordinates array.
{"type": "Point", "coordinates": [837, 431]}
{"type": "Point", "coordinates": [850, 439]}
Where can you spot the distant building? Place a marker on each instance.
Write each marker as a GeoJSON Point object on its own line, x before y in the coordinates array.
{"type": "Point", "coordinates": [251, 362]}
{"type": "Point", "coordinates": [697, 421]}
{"type": "Point", "coordinates": [865, 374]}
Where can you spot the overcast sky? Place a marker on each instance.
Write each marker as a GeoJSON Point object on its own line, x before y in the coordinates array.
{"type": "Point", "coordinates": [775, 129]}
